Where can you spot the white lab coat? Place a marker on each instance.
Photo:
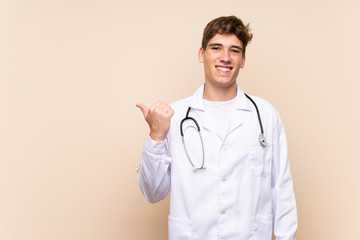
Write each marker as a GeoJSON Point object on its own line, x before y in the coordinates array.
{"type": "Point", "coordinates": [245, 191]}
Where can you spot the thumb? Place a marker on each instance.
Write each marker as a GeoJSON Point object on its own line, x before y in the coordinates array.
{"type": "Point", "coordinates": [144, 109]}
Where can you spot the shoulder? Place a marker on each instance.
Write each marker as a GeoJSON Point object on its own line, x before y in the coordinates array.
{"type": "Point", "coordinates": [181, 103]}
{"type": "Point", "coordinates": [180, 107]}
{"type": "Point", "coordinates": [262, 102]}
{"type": "Point", "coordinates": [266, 109]}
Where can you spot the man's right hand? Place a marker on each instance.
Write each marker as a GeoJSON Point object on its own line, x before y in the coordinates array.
{"type": "Point", "coordinates": [158, 117]}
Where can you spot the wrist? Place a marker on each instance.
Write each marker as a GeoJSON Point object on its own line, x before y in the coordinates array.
{"type": "Point", "coordinates": [157, 137]}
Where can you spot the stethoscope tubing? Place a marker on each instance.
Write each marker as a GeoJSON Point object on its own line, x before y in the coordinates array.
{"type": "Point", "coordinates": [183, 141]}
{"type": "Point", "coordinates": [262, 139]}
{"type": "Point", "coordinates": [258, 113]}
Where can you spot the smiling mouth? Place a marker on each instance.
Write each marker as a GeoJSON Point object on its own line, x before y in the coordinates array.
{"type": "Point", "coordinates": [223, 68]}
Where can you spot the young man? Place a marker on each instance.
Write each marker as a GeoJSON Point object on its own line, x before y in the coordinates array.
{"type": "Point", "coordinates": [232, 179]}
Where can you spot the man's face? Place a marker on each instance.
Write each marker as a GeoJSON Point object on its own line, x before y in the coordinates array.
{"type": "Point", "coordinates": [222, 60]}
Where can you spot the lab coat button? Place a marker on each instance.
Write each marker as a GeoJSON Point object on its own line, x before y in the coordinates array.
{"type": "Point", "coordinates": [223, 212]}
{"type": "Point", "coordinates": [223, 179]}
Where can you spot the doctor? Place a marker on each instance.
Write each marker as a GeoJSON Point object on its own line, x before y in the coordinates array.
{"type": "Point", "coordinates": [225, 183]}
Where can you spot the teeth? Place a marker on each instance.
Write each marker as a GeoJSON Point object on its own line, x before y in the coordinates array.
{"type": "Point", "coordinates": [223, 69]}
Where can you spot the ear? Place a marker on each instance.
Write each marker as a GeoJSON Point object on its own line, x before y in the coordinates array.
{"type": "Point", "coordinates": [201, 55]}
{"type": "Point", "coordinates": [242, 62]}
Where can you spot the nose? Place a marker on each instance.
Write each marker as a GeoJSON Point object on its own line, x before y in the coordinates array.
{"type": "Point", "coordinates": [225, 57]}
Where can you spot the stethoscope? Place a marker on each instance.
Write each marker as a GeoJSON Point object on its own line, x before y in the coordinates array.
{"type": "Point", "coordinates": [262, 139]}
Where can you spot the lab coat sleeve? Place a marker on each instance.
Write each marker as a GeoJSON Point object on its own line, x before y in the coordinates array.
{"type": "Point", "coordinates": [284, 205]}
{"type": "Point", "coordinates": [154, 170]}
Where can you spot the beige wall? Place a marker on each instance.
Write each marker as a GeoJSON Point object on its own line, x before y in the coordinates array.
{"type": "Point", "coordinates": [71, 73]}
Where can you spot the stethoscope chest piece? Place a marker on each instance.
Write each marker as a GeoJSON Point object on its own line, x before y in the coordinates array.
{"type": "Point", "coordinates": [262, 140]}
{"type": "Point", "coordinates": [196, 168]}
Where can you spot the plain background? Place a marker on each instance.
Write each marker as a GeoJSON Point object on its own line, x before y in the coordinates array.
{"type": "Point", "coordinates": [71, 73]}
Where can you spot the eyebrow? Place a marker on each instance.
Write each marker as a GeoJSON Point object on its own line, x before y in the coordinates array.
{"type": "Point", "coordinates": [220, 45]}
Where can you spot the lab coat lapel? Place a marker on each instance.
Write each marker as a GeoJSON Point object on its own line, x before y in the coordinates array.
{"type": "Point", "coordinates": [236, 120]}
{"type": "Point", "coordinates": [242, 104]}
{"type": "Point", "coordinates": [198, 109]}
{"type": "Point", "coordinates": [197, 104]}
{"type": "Point", "coordinates": [205, 122]}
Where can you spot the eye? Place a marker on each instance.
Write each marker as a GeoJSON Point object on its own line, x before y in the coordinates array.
{"type": "Point", "coordinates": [215, 48]}
{"type": "Point", "coordinates": [235, 50]}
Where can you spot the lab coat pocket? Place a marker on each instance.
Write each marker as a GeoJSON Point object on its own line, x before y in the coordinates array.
{"type": "Point", "coordinates": [262, 228]}
{"type": "Point", "coordinates": [180, 229]}
{"type": "Point", "coordinates": [261, 158]}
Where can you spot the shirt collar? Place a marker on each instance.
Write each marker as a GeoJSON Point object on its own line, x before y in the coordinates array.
{"type": "Point", "coordinates": [241, 102]}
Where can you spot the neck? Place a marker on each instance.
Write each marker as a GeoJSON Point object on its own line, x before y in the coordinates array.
{"type": "Point", "coordinates": [212, 93]}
